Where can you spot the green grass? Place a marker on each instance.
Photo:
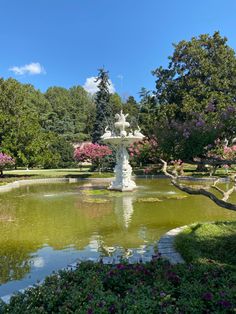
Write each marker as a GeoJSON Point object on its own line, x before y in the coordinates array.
{"type": "Point", "coordinates": [208, 241]}
{"type": "Point", "coordinates": [13, 175]}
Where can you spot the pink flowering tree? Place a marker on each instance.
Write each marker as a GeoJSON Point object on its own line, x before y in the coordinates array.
{"type": "Point", "coordinates": [144, 152]}
{"type": "Point", "coordinates": [93, 153]}
{"type": "Point", "coordinates": [220, 154]}
{"type": "Point", "coordinates": [6, 161]}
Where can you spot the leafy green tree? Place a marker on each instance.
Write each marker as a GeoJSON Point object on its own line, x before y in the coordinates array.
{"type": "Point", "coordinates": [82, 113]}
{"type": "Point", "coordinates": [72, 113]}
{"type": "Point", "coordinates": [196, 96]}
{"type": "Point", "coordinates": [148, 112]}
{"type": "Point", "coordinates": [103, 107]}
{"type": "Point", "coordinates": [132, 108]}
{"type": "Point", "coordinates": [115, 103]}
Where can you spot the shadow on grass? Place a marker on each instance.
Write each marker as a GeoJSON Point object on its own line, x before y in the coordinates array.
{"type": "Point", "coordinates": [216, 242]}
{"type": "Point", "coordinates": [78, 176]}
{"type": "Point", "coordinates": [17, 176]}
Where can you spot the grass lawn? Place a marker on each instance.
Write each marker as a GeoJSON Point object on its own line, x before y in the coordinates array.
{"type": "Point", "coordinates": [13, 175]}
{"type": "Point", "coordinates": [209, 241]}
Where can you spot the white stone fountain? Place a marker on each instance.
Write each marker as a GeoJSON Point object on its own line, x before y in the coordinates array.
{"type": "Point", "coordinates": [123, 169]}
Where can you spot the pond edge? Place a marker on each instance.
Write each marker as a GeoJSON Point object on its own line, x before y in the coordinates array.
{"type": "Point", "coordinates": [16, 184]}
{"type": "Point", "coordinates": [166, 246]}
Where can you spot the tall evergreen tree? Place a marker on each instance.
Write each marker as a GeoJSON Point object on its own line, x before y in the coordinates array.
{"type": "Point", "coordinates": [103, 107]}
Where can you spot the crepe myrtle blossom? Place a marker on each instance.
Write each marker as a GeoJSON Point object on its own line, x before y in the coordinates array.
{"type": "Point", "coordinates": [92, 153]}
{"type": "Point", "coordinates": [5, 162]}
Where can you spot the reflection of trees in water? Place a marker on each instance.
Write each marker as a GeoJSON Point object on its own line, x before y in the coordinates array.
{"type": "Point", "coordinates": [93, 209]}
{"type": "Point", "coordinates": [14, 261]}
{"type": "Point", "coordinates": [7, 211]}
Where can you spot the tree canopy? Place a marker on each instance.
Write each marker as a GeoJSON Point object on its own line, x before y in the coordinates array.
{"type": "Point", "coordinates": [196, 96]}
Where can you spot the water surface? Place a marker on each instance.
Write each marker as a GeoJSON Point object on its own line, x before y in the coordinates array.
{"type": "Point", "coordinates": [46, 227]}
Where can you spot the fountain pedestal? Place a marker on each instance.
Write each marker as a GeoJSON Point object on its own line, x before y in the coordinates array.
{"type": "Point", "coordinates": [123, 170]}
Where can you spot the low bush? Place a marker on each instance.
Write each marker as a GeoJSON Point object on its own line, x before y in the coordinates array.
{"type": "Point", "coordinates": [154, 287]}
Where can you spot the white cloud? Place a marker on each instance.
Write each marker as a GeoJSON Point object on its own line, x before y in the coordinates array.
{"type": "Point", "coordinates": [92, 87]}
{"type": "Point", "coordinates": [31, 69]}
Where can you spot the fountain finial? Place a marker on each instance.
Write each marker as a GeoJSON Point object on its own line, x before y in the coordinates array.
{"type": "Point", "coordinates": [121, 123]}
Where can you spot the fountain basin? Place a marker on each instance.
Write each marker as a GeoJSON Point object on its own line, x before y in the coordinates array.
{"type": "Point", "coordinates": [46, 227]}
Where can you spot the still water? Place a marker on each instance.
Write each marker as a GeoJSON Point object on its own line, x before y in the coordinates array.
{"type": "Point", "coordinates": [47, 227]}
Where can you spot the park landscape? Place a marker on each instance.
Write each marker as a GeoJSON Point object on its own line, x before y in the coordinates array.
{"type": "Point", "coordinates": [75, 246]}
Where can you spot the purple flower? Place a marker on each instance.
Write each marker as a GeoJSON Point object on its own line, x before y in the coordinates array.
{"type": "Point", "coordinates": [207, 296]}
{"type": "Point", "coordinates": [120, 266]}
{"type": "Point", "coordinates": [211, 107]}
{"type": "Point", "coordinates": [112, 309]}
{"type": "Point", "coordinates": [230, 109]}
{"type": "Point", "coordinates": [200, 123]}
{"type": "Point", "coordinates": [90, 311]}
{"type": "Point", "coordinates": [225, 304]}
{"type": "Point", "coordinates": [101, 304]}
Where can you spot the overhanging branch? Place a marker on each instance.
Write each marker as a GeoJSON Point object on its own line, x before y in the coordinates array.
{"type": "Point", "coordinates": [220, 202]}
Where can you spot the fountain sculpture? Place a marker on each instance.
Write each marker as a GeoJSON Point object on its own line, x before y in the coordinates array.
{"type": "Point", "coordinates": [123, 170]}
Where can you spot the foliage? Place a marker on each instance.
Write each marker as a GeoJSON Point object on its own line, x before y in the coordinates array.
{"type": "Point", "coordinates": [6, 161]}
{"type": "Point", "coordinates": [144, 152]}
{"type": "Point", "coordinates": [92, 152]}
{"type": "Point", "coordinates": [196, 96]}
{"type": "Point", "coordinates": [148, 112]}
{"type": "Point", "coordinates": [132, 288]}
{"type": "Point", "coordinates": [60, 154]}
{"type": "Point", "coordinates": [103, 107]}
{"type": "Point", "coordinates": [72, 113]}
{"type": "Point", "coordinates": [37, 129]}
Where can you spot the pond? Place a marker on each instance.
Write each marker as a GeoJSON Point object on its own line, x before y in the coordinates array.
{"type": "Point", "coordinates": [47, 227]}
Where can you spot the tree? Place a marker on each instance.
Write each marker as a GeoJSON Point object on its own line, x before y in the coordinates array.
{"type": "Point", "coordinates": [5, 162]}
{"type": "Point", "coordinates": [144, 152]}
{"type": "Point", "coordinates": [82, 113]}
{"type": "Point", "coordinates": [92, 153]}
{"type": "Point", "coordinates": [147, 112]}
{"type": "Point", "coordinates": [103, 108]}
{"type": "Point", "coordinates": [196, 96]}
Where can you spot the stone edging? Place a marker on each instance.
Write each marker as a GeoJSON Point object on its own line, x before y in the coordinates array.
{"type": "Point", "coordinates": [166, 246]}
{"type": "Point", "coordinates": [182, 178]}
{"type": "Point", "coordinates": [16, 184]}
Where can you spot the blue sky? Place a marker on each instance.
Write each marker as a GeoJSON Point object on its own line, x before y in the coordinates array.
{"type": "Point", "coordinates": [64, 42]}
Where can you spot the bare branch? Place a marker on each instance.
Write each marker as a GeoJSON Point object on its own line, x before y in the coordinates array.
{"type": "Point", "coordinates": [217, 188]}
{"type": "Point", "coordinates": [208, 194]}
{"type": "Point", "coordinates": [164, 169]}
{"type": "Point", "coordinates": [201, 191]}
{"type": "Point", "coordinates": [228, 193]}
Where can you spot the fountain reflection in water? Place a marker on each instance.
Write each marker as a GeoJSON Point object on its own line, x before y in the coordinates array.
{"type": "Point", "coordinates": [123, 170]}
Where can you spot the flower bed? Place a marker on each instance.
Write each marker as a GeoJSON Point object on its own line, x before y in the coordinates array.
{"type": "Point", "coordinates": [154, 287]}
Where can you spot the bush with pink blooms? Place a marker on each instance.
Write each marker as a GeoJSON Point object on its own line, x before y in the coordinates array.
{"type": "Point", "coordinates": [94, 153]}
{"type": "Point", "coordinates": [221, 151]}
{"type": "Point", "coordinates": [230, 152]}
{"type": "Point", "coordinates": [144, 152]}
{"type": "Point", "coordinates": [6, 161]}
